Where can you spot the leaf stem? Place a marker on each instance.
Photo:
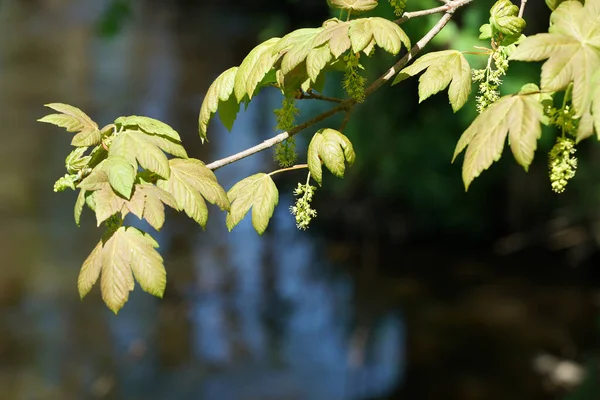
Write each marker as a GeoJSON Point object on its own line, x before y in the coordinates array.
{"type": "Point", "coordinates": [292, 168]}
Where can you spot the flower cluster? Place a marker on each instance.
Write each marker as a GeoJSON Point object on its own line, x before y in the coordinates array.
{"type": "Point", "coordinates": [564, 118]}
{"type": "Point", "coordinates": [490, 80]}
{"type": "Point", "coordinates": [562, 163]}
{"type": "Point", "coordinates": [302, 210]}
{"type": "Point", "coordinates": [398, 6]}
{"type": "Point", "coordinates": [354, 83]}
{"type": "Point", "coordinates": [285, 152]}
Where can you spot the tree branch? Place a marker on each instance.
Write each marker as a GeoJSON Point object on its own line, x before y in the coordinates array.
{"type": "Point", "coordinates": [312, 95]}
{"type": "Point", "coordinates": [348, 104]}
{"type": "Point", "coordinates": [450, 5]}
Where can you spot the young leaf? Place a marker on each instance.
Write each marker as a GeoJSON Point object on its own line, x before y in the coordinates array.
{"type": "Point", "coordinates": [356, 6]}
{"type": "Point", "coordinates": [254, 68]}
{"type": "Point", "coordinates": [571, 50]}
{"type": "Point", "coordinates": [107, 203]}
{"type": "Point", "coordinates": [190, 183]}
{"type": "Point", "coordinates": [219, 91]}
{"type": "Point", "coordinates": [87, 137]}
{"type": "Point", "coordinates": [448, 67]}
{"type": "Point", "coordinates": [316, 60]}
{"type": "Point", "coordinates": [135, 145]}
{"type": "Point", "coordinates": [121, 174]}
{"type": "Point", "coordinates": [148, 125]}
{"type": "Point", "coordinates": [517, 116]}
{"type": "Point", "coordinates": [257, 192]}
{"type": "Point", "coordinates": [388, 35]}
{"type": "Point", "coordinates": [168, 145]}
{"type": "Point", "coordinates": [71, 118]}
{"type": "Point", "coordinates": [331, 148]}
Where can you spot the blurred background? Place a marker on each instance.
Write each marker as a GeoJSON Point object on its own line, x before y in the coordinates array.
{"type": "Point", "coordinates": [404, 287]}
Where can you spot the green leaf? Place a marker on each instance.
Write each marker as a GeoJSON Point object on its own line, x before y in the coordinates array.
{"type": "Point", "coordinates": [147, 203]}
{"type": "Point", "coordinates": [296, 47]}
{"type": "Point", "coordinates": [71, 118]}
{"type": "Point", "coordinates": [257, 192]}
{"type": "Point", "coordinates": [228, 111]}
{"type": "Point", "coordinates": [334, 32]}
{"type": "Point", "coordinates": [190, 183]}
{"type": "Point", "coordinates": [116, 279]}
{"type": "Point", "coordinates": [219, 91]}
{"type": "Point", "coordinates": [146, 263]}
{"type": "Point", "coordinates": [361, 34]}
{"type": "Point", "coordinates": [121, 174]}
{"type": "Point", "coordinates": [168, 145]}
{"type": "Point", "coordinates": [356, 6]}
{"type": "Point", "coordinates": [254, 68]}
{"type": "Point", "coordinates": [331, 148]}
{"type": "Point", "coordinates": [148, 125]}
{"type": "Point", "coordinates": [135, 145]}
{"type": "Point", "coordinates": [448, 67]}
{"type": "Point", "coordinates": [316, 60]}
{"type": "Point", "coordinates": [90, 271]}
{"type": "Point", "coordinates": [388, 35]}
{"type": "Point", "coordinates": [79, 206]}
{"type": "Point", "coordinates": [517, 116]}
{"type": "Point", "coordinates": [571, 50]}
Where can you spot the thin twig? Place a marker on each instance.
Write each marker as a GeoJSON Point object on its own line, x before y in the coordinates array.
{"type": "Point", "coordinates": [346, 119]}
{"type": "Point", "coordinates": [522, 9]}
{"type": "Point", "coordinates": [295, 167]}
{"type": "Point", "coordinates": [274, 140]}
{"type": "Point", "coordinates": [316, 96]}
{"type": "Point", "coordinates": [348, 104]}
{"type": "Point", "coordinates": [450, 5]}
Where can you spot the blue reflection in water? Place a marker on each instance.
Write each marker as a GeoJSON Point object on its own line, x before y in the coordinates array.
{"type": "Point", "coordinates": [298, 338]}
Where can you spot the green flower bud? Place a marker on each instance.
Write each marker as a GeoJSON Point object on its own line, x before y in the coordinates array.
{"type": "Point", "coordinates": [504, 19]}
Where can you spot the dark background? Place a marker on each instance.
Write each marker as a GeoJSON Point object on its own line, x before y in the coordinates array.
{"type": "Point", "coordinates": [404, 287]}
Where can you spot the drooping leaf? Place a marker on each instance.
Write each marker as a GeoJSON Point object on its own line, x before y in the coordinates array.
{"type": "Point", "coordinates": [356, 6]}
{"type": "Point", "coordinates": [331, 148]}
{"type": "Point", "coordinates": [448, 67]}
{"type": "Point", "coordinates": [71, 118]}
{"type": "Point", "coordinates": [148, 125]}
{"type": "Point", "coordinates": [257, 192]}
{"type": "Point", "coordinates": [116, 279]}
{"type": "Point", "coordinates": [335, 32]}
{"type": "Point", "coordinates": [388, 35]}
{"type": "Point", "coordinates": [519, 117]}
{"type": "Point", "coordinates": [135, 146]}
{"type": "Point", "coordinates": [121, 174]}
{"type": "Point", "coordinates": [190, 183]}
{"type": "Point", "coordinates": [296, 46]}
{"type": "Point", "coordinates": [146, 263]}
{"type": "Point", "coordinates": [571, 50]}
{"type": "Point", "coordinates": [90, 271]}
{"type": "Point", "coordinates": [76, 160]}
{"type": "Point", "coordinates": [254, 68]}
{"type": "Point", "coordinates": [219, 91]}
